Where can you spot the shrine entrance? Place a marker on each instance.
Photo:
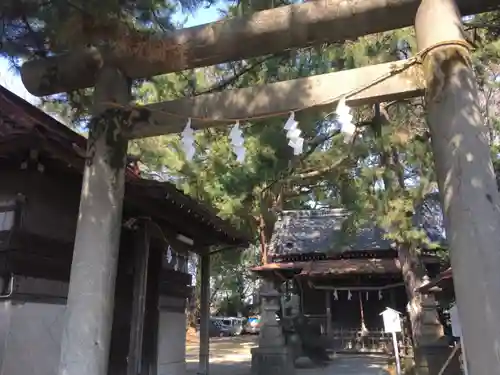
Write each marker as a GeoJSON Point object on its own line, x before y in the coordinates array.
{"type": "Point", "coordinates": [441, 69]}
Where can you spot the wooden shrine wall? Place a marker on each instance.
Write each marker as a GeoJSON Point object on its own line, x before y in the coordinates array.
{"type": "Point", "coordinates": [38, 256]}
{"type": "Point", "coordinates": [51, 202]}
{"type": "Point", "coordinates": [345, 312]}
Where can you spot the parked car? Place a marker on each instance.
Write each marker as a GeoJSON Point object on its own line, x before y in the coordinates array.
{"type": "Point", "coordinates": [215, 329]}
{"type": "Point", "coordinates": [236, 325]}
{"type": "Point", "coordinates": [233, 325]}
{"type": "Point", "coordinates": [252, 325]}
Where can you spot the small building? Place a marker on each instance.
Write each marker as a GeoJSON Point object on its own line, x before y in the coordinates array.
{"type": "Point", "coordinates": [343, 284]}
{"type": "Point", "coordinates": [41, 165]}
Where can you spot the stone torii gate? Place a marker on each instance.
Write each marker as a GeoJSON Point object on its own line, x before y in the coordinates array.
{"type": "Point", "coordinates": [463, 163]}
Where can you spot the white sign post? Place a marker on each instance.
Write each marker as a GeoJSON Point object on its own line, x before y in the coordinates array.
{"type": "Point", "coordinates": [456, 330]}
{"type": "Point", "coordinates": [392, 324]}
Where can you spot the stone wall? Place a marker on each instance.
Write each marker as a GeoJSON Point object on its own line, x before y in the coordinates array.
{"type": "Point", "coordinates": [172, 343]}
{"type": "Point", "coordinates": [31, 332]}
{"type": "Point", "coordinates": [30, 337]}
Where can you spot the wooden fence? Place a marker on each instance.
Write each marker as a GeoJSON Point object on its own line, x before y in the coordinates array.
{"type": "Point", "coordinates": [350, 340]}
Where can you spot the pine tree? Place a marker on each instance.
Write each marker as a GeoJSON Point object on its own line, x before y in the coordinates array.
{"type": "Point", "coordinates": [383, 176]}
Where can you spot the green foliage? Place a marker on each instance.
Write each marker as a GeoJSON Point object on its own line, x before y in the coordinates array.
{"type": "Point", "coordinates": [380, 178]}
{"type": "Point", "coordinates": [232, 282]}
{"type": "Point", "coordinates": [37, 28]}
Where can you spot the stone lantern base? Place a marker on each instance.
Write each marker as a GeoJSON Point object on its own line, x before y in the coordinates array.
{"type": "Point", "coordinates": [271, 357]}
{"type": "Point", "coordinates": [272, 361]}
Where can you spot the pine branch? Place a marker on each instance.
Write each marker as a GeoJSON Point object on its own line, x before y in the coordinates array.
{"type": "Point", "coordinates": [481, 25]}
{"type": "Point", "coordinates": [313, 145]}
{"type": "Point", "coordinates": [236, 76]}
{"type": "Point", "coordinates": [318, 172]}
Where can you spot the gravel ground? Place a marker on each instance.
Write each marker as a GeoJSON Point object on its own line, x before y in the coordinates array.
{"type": "Point", "coordinates": [231, 356]}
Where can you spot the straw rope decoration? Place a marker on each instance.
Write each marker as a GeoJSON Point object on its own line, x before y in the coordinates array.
{"type": "Point", "coordinates": [342, 112]}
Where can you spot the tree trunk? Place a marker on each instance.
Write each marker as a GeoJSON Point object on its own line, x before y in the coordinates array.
{"type": "Point", "coordinates": [269, 203]}
{"type": "Point", "coordinates": [262, 240]}
{"type": "Point", "coordinates": [466, 181]}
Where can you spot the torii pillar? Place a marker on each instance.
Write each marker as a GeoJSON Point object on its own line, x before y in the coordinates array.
{"type": "Point", "coordinates": [466, 180]}
{"type": "Point", "coordinates": [87, 331]}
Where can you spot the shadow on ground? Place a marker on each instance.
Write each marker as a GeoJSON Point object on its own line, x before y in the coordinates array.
{"type": "Point", "coordinates": [231, 356]}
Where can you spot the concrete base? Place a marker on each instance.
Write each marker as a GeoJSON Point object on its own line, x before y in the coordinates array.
{"type": "Point", "coordinates": [272, 361]}
{"type": "Point", "coordinates": [172, 343]}
{"type": "Point", "coordinates": [430, 360]}
{"type": "Point", "coordinates": [30, 338]}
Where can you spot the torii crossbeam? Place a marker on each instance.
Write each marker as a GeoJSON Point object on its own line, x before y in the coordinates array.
{"type": "Point", "coordinates": [383, 82]}
{"type": "Point", "coordinates": [270, 31]}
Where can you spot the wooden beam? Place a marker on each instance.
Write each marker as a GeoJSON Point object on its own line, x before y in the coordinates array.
{"type": "Point", "coordinates": [262, 33]}
{"type": "Point", "coordinates": [204, 351]}
{"type": "Point", "coordinates": [281, 97]}
{"type": "Point", "coordinates": [328, 304]}
{"type": "Point", "coordinates": [141, 265]}
{"type": "Point", "coordinates": [152, 319]}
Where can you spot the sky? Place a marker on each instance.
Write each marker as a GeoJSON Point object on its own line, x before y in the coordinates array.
{"type": "Point", "coordinates": [12, 81]}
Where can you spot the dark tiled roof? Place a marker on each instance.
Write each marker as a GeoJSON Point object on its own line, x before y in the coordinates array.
{"type": "Point", "coordinates": [320, 231]}
{"type": "Point", "coordinates": [337, 267]}
{"type": "Point", "coordinates": [352, 266]}
{"type": "Point", "coordinates": [429, 217]}
{"type": "Point", "coordinates": [23, 126]}
{"type": "Point", "coordinates": [443, 280]}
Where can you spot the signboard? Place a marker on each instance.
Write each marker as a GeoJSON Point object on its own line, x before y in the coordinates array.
{"type": "Point", "coordinates": [392, 324]}
{"type": "Point", "coordinates": [456, 328]}
{"type": "Point", "coordinates": [392, 320]}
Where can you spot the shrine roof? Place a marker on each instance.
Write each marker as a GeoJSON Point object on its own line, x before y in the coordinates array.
{"type": "Point", "coordinates": [340, 267]}
{"type": "Point", "coordinates": [24, 127]}
{"type": "Point", "coordinates": [320, 232]}
{"type": "Point", "coordinates": [442, 281]}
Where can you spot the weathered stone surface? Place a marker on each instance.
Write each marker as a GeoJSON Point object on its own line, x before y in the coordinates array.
{"type": "Point", "coordinates": [466, 179]}
{"type": "Point", "coordinates": [316, 92]}
{"type": "Point", "coordinates": [282, 28]}
{"type": "Point", "coordinates": [431, 359]}
{"type": "Point", "coordinates": [272, 361]}
{"type": "Point", "coordinates": [272, 356]}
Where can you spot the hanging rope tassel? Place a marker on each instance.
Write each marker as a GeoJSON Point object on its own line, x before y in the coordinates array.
{"type": "Point", "coordinates": [364, 330]}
